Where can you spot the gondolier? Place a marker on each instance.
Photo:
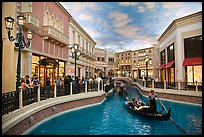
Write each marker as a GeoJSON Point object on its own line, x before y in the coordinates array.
{"type": "Point", "coordinates": [153, 106]}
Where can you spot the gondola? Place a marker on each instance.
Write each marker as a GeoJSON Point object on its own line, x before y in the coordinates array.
{"type": "Point", "coordinates": [145, 111]}
{"type": "Point", "coordinates": [122, 92]}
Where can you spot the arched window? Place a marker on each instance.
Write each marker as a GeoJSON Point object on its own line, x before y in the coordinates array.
{"type": "Point", "coordinates": [46, 18]}
{"type": "Point", "coordinates": [62, 27]}
{"type": "Point", "coordinates": [57, 25]}
{"type": "Point", "coordinates": [150, 61]}
{"type": "Point", "coordinates": [53, 21]}
{"type": "Point", "coordinates": [134, 62]}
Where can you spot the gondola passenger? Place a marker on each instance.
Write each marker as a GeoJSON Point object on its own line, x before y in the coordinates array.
{"type": "Point", "coordinates": [153, 106]}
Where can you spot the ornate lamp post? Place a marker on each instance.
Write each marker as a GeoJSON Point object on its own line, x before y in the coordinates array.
{"type": "Point", "coordinates": [146, 60]}
{"type": "Point", "coordinates": [104, 67]}
{"type": "Point", "coordinates": [75, 54]}
{"type": "Point", "coordinates": [138, 65]}
{"type": "Point", "coordinates": [20, 44]}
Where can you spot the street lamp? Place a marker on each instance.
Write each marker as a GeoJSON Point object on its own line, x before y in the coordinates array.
{"type": "Point", "coordinates": [104, 67]}
{"type": "Point", "coordinates": [138, 66]}
{"type": "Point", "coordinates": [146, 60]}
{"type": "Point", "coordinates": [75, 54]}
{"type": "Point", "coordinates": [20, 44]}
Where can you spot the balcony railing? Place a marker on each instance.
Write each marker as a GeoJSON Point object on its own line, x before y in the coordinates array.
{"type": "Point", "coordinates": [31, 21]}
{"type": "Point", "coordinates": [56, 35]}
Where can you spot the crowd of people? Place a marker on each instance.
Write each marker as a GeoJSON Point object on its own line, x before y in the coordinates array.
{"type": "Point", "coordinates": [78, 84]}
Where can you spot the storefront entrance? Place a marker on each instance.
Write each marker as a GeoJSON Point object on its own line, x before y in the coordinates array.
{"type": "Point", "coordinates": [45, 67]}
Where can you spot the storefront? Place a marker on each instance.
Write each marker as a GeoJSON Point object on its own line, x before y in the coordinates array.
{"type": "Point", "coordinates": [45, 67]}
{"type": "Point", "coordinates": [193, 59]}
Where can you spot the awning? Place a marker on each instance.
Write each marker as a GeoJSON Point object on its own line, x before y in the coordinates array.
{"type": "Point", "coordinates": [48, 61]}
{"type": "Point", "coordinates": [161, 67]}
{"type": "Point", "coordinates": [168, 65]}
{"type": "Point", "coordinates": [192, 61]}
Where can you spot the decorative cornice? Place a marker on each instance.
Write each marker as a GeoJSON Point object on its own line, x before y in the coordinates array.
{"type": "Point", "coordinates": [75, 23]}
{"type": "Point", "coordinates": [183, 21]}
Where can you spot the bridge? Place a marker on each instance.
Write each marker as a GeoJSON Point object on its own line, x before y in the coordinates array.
{"type": "Point", "coordinates": [125, 80]}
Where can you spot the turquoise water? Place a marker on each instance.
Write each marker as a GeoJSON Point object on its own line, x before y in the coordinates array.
{"type": "Point", "coordinates": [113, 118]}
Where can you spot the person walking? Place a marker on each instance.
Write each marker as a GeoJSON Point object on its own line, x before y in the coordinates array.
{"type": "Point", "coordinates": [58, 84]}
{"type": "Point", "coordinates": [66, 88]}
{"type": "Point", "coordinates": [48, 86]}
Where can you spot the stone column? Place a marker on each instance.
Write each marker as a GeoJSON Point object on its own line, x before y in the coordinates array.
{"type": "Point", "coordinates": [179, 86]}
{"type": "Point", "coordinates": [98, 86]}
{"type": "Point", "coordinates": [20, 98]}
{"type": "Point", "coordinates": [71, 88]}
{"type": "Point", "coordinates": [85, 87]}
{"type": "Point", "coordinates": [55, 90]}
{"type": "Point", "coordinates": [102, 85]}
{"type": "Point", "coordinates": [164, 84]}
{"type": "Point", "coordinates": [152, 84]}
{"type": "Point", "coordinates": [38, 93]}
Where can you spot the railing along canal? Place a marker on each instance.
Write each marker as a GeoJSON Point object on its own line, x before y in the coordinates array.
{"type": "Point", "coordinates": [15, 100]}
{"type": "Point", "coordinates": [187, 86]}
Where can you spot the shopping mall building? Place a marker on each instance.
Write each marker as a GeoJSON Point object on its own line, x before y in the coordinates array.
{"type": "Point", "coordinates": [47, 55]}
{"type": "Point", "coordinates": [180, 50]}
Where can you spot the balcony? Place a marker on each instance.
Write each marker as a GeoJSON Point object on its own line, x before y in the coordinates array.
{"type": "Point", "coordinates": [85, 53]}
{"type": "Point", "coordinates": [31, 21]}
{"type": "Point", "coordinates": [55, 35]}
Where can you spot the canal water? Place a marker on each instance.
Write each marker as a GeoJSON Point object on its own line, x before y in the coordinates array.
{"type": "Point", "coordinates": [113, 118]}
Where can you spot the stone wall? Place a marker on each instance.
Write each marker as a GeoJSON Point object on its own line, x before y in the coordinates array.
{"type": "Point", "coordinates": [25, 124]}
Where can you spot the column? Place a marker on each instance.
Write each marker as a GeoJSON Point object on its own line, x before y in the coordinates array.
{"type": "Point", "coordinates": [179, 86]}
{"type": "Point", "coordinates": [71, 88]}
{"type": "Point", "coordinates": [164, 84]}
{"type": "Point", "coordinates": [152, 84]}
{"type": "Point", "coordinates": [85, 87]}
{"type": "Point", "coordinates": [98, 86]}
{"type": "Point", "coordinates": [20, 98]}
{"type": "Point", "coordinates": [38, 94]}
{"type": "Point", "coordinates": [55, 90]}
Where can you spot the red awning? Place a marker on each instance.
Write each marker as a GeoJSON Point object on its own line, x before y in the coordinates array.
{"type": "Point", "coordinates": [161, 67]}
{"type": "Point", "coordinates": [192, 61]}
{"type": "Point", "coordinates": [168, 65]}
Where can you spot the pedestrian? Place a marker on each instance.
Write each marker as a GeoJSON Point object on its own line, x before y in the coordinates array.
{"type": "Point", "coordinates": [35, 83]}
{"type": "Point", "coordinates": [156, 79]}
{"type": "Point", "coordinates": [24, 86]}
{"type": "Point", "coordinates": [58, 84]}
{"type": "Point", "coordinates": [48, 86]}
{"type": "Point", "coordinates": [76, 85]}
{"type": "Point", "coordinates": [27, 80]}
{"type": "Point", "coordinates": [69, 84]}
{"type": "Point", "coordinates": [66, 85]}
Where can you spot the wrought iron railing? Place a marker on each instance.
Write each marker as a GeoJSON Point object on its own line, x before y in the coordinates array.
{"type": "Point", "coordinates": [172, 85]}
{"type": "Point", "coordinates": [10, 102]}
{"type": "Point", "coordinates": [29, 96]}
{"type": "Point", "coordinates": [190, 86]}
{"type": "Point", "coordinates": [159, 85]}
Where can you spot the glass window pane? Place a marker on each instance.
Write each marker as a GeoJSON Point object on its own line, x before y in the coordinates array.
{"type": "Point", "coordinates": [190, 74]}
{"type": "Point", "coordinates": [198, 73]}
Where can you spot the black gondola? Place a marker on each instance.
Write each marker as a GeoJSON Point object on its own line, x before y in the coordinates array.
{"type": "Point", "coordinates": [145, 111]}
{"type": "Point", "coordinates": [122, 91]}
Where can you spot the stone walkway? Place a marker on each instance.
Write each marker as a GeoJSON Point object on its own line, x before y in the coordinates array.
{"type": "Point", "coordinates": [184, 96]}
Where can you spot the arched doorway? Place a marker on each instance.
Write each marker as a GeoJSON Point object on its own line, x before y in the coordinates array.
{"type": "Point", "coordinates": [44, 67]}
{"type": "Point", "coordinates": [111, 73]}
